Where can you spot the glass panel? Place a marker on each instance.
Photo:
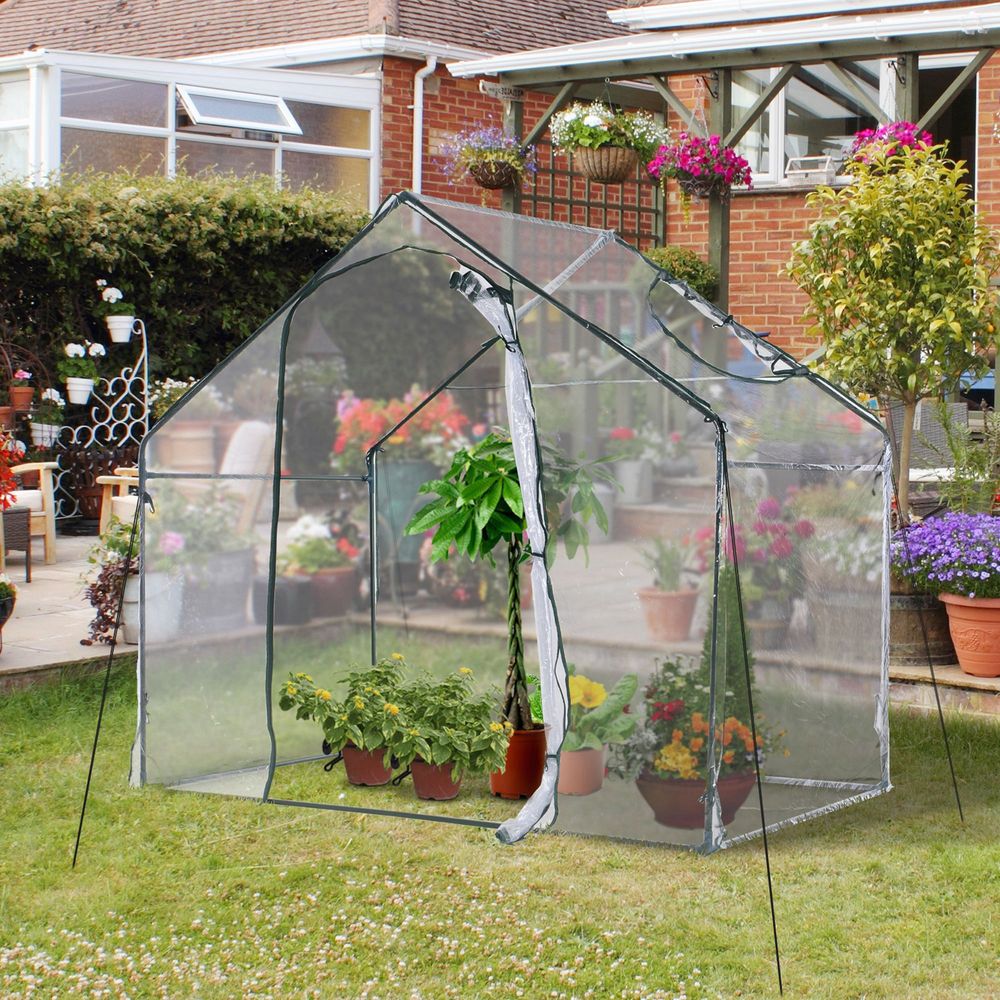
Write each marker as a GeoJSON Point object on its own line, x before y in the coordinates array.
{"type": "Point", "coordinates": [13, 153]}
{"type": "Point", "coordinates": [132, 102]}
{"type": "Point", "coordinates": [756, 143]}
{"type": "Point", "coordinates": [14, 96]}
{"type": "Point", "coordinates": [235, 110]}
{"type": "Point", "coordinates": [330, 126]}
{"type": "Point", "coordinates": [348, 176]}
{"type": "Point", "coordinates": [244, 161]}
{"type": "Point", "coordinates": [822, 115]}
{"type": "Point", "coordinates": [110, 151]}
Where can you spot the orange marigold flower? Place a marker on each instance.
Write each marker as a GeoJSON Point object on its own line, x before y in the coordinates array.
{"type": "Point", "coordinates": [728, 756]}
{"type": "Point", "coordinates": [697, 743]}
{"type": "Point", "coordinates": [678, 736]}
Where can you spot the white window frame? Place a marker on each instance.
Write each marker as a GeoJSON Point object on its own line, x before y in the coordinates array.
{"type": "Point", "coordinates": [188, 96]}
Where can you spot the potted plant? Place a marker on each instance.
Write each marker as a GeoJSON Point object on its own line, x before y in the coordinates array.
{"type": "Point", "coordinates": [900, 324]}
{"type": "Point", "coordinates": [607, 144]}
{"type": "Point", "coordinates": [632, 453]}
{"type": "Point", "coordinates": [597, 720]}
{"type": "Point", "coordinates": [363, 726]}
{"type": "Point", "coordinates": [21, 391]}
{"type": "Point", "coordinates": [957, 557]}
{"type": "Point", "coordinates": [326, 555]}
{"type": "Point", "coordinates": [702, 167]}
{"type": "Point", "coordinates": [479, 508]}
{"type": "Point", "coordinates": [78, 369]}
{"type": "Point", "coordinates": [8, 598]}
{"type": "Point", "coordinates": [115, 551]}
{"type": "Point", "coordinates": [119, 315]}
{"type": "Point", "coordinates": [450, 730]}
{"type": "Point", "coordinates": [667, 605]}
{"type": "Point", "coordinates": [46, 419]}
{"type": "Point", "coordinates": [492, 156]}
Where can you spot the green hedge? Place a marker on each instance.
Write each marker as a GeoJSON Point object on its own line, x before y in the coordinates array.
{"type": "Point", "coordinates": [204, 259]}
{"type": "Point", "coordinates": [688, 267]}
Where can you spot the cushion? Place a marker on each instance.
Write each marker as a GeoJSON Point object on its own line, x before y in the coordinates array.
{"type": "Point", "coordinates": [32, 499]}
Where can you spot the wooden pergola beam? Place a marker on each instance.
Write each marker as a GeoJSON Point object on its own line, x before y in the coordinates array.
{"type": "Point", "coordinates": [563, 97]}
{"type": "Point", "coordinates": [768, 94]}
{"type": "Point", "coordinates": [957, 85]}
{"type": "Point", "coordinates": [850, 82]}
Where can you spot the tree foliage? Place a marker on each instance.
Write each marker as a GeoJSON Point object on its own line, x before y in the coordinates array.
{"type": "Point", "coordinates": [897, 268]}
{"type": "Point", "coordinates": [205, 259]}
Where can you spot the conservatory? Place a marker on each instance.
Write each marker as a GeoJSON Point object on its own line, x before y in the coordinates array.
{"type": "Point", "coordinates": [74, 111]}
{"type": "Point", "coordinates": [690, 590]}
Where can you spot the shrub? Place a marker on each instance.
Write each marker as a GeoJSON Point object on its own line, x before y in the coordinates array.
{"type": "Point", "coordinates": [687, 266]}
{"type": "Point", "coordinates": [205, 259]}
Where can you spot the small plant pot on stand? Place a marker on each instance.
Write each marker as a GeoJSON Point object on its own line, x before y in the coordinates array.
{"type": "Point", "coordinates": [434, 781]}
{"type": "Point", "coordinates": [20, 397]}
{"type": "Point", "coordinates": [120, 328]}
{"type": "Point", "coordinates": [636, 478]}
{"type": "Point", "coordinates": [6, 418]}
{"type": "Point", "coordinates": [581, 772]}
{"type": "Point", "coordinates": [522, 773]}
{"type": "Point", "coordinates": [78, 390]}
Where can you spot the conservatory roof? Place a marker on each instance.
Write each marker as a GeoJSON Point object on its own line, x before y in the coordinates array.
{"type": "Point", "coordinates": [803, 39]}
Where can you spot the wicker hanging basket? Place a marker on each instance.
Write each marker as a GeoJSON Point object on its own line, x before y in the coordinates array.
{"type": "Point", "coordinates": [495, 174]}
{"type": "Point", "coordinates": [606, 164]}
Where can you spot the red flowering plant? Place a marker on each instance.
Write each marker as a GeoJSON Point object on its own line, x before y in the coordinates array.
{"type": "Point", "coordinates": [701, 166]}
{"type": "Point", "coordinates": [11, 452]}
{"type": "Point", "coordinates": [312, 545]}
{"type": "Point", "coordinates": [892, 139]}
{"type": "Point", "coordinates": [433, 433]}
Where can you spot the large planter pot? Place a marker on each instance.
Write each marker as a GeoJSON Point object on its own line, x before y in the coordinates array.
{"type": "Point", "coordinates": [581, 772]}
{"type": "Point", "coordinates": [164, 603]}
{"type": "Point", "coordinates": [78, 390]}
{"type": "Point", "coordinates": [20, 397]}
{"type": "Point", "coordinates": [767, 622]}
{"type": "Point", "coordinates": [606, 164]}
{"type": "Point", "coordinates": [130, 610]}
{"type": "Point", "coordinates": [522, 773]}
{"type": "Point", "coordinates": [120, 328]}
{"type": "Point", "coordinates": [292, 600]}
{"type": "Point", "coordinates": [44, 435]}
{"type": "Point", "coordinates": [635, 476]}
{"type": "Point", "coordinates": [919, 634]}
{"type": "Point", "coordinates": [217, 600]}
{"type": "Point", "coordinates": [678, 802]}
{"type": "Point", "coordinates": [975, 630]}
{"type": "Point", "coordinates": [495, 175]}
{"type": "Point", "coordinates": [366, 767]}
{"type": "Point", "coordinates": [332, 591]}
{"type": "Point", "coordinates": [668, 613]}
{"type": "Point", "coordinates": [434, 781]}
{"type": "Point", "coordinates": [397, 482]}
{"type": "Point", "coordinates": [187, 445]}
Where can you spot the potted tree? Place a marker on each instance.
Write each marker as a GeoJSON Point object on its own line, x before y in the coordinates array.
{"type": "Point", "coordinates": [450, 731]}
{"type": "Point", "coordinates": [478, 508]}
{"type": "Point", "coordinates": [607, 144]}
{"type": "Point", "coordinates": [667, 606]}
{"type": "Point", "coordinates": [597, 720]}
{"type": "Point", "coordinates": [904, 306]}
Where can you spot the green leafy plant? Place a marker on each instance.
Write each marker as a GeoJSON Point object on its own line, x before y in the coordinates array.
{"type": "Point", "coordinates": [78, 360]}
{"type": "Point", "coordinates": [596, 715]}
{"type": "Point", "coordinates": [49, 409]}
{"type": "Point", "coordinates": [975, 478]}
{"type": "Point", "coordinates": [448, 722]}
{"type": "Point", "coordinates": [165, 392]}
{"type": "Point", "coordinates": [686, 266]}
{"type": "Point", "coordinates": [666, 559]}
{"type": "Point", "coordinates": [479, 506]}
{"type": "Point", "coordinates": [368, 717]}
{"type": "Point", "coordinates": [898, 271]}
{"type": "Point", "coordinates": [7, 587]}
{"type": "Point", "coordinates": [115, 550]}
{"type": "Point", "coordinates": [598, 124]}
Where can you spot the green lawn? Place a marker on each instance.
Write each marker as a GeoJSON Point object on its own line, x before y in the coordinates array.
{"type": "Point", "coordinates": [179, 895]}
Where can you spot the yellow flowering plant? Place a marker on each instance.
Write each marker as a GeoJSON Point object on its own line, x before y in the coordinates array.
{"type": "Point", "coordinates": [449, 722]}
{"type": "Point", "coordinates": [368, 716]}
{"type": "Point", "coordinates": [597, 716]}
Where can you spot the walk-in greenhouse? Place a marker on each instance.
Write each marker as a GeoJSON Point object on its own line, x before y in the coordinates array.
{"type": "Point", "coordinates": [686, 583]}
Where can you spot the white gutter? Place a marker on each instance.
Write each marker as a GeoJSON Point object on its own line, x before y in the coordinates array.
{"type": "Point", "coordinates": [339, 50]}
{"type": "Point", "coordinates": [418, 121]}
{"type": "Point", "coordinates": [680, 45]}
{"type": "Point", "coordinates": [692, 13]}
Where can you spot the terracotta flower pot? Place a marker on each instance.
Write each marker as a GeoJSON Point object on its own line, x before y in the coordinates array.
{"type": "Point", "coordinates": [668, 613]}
{"type": "Point", "coordinates": [522, 773]}
{"type": "Point", "coordinates": [581, 772]}
{"type": "Point", "coordinates": [7, 418]}
{"type": "Point", "coordinates": [606, 164]}
{"type": "Point", "coordinates": [333, 591]}
{"type": "Point", "coordinates": [434, 781]}
{"type": "Point", "coordinates": [21, 397]}
{"type": "Point", "coordinates": [678, 802]}
{"type": "Point", "coordinates": [366, 767]}
{"type": "Point", "coordinates": [974, 623]}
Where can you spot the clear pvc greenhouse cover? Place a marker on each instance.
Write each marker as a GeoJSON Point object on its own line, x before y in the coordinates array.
{"type": "Point", "coordinates": [752, 493]}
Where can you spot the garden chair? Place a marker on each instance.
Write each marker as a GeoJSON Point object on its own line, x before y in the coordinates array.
{"type": "Point", "coordinates": [117, 500]}
{"type": "Point", "coordinates": [41, 502]}
{"type": "Point", "coordinates": [15, 536]}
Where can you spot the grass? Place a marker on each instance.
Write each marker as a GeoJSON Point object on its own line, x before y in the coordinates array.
{"type": "Point", "coordinates": [180, 895]}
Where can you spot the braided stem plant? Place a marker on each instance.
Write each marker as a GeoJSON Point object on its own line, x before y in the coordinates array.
{"type": "Point", "coordinates": [479, 506]}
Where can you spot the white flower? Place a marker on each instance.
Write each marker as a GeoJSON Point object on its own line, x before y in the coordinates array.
{"type": "Point", "coordinates": [306, 527]}
{"type": "Point", "coordinates": [52, 396]}
{"type": "Point", "coordinates": [569, 116]}
{"type": "Point", "coordinates": [594, 121]}
{"type": "Point", "coordinates": [75, 351]}
{"type": "Point", "coordinates": [101, 283]}
{"type": "Point", "coordinates": [112, 294]}
{"type": "Point", "coordinates": [96, 350]}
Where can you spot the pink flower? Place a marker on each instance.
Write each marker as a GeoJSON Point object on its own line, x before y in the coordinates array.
{"type": "Point", "coordinates": [769, 508]}
{"type": "Point", "coordinates": [22, 374]}
{"type": "Point", "coordinates": [782, 547]}
{"type": "Point", "coordinates": [804, 528]}
{"type": "Point", "coordinates": [171, 543]}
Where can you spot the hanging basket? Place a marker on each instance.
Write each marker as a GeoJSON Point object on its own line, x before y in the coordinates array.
{"type": "Point", "coordinates": [495, 174]}
{"type": "Point", "coordinates": [606, 164]}
{"type": "Point", "coordinates": [702, 187]}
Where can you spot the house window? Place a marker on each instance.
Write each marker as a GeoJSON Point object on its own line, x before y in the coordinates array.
{"type": "Point", "coordinates": [102, 98]}
{"type": "Point", "coordinates": [243, 161]}
{"type": "Point", "coordinates": [14, 96]}
{"type": "Point", "coordinates": [83, 149]}
{"type": "Point", "coordinates": [235, 110]}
